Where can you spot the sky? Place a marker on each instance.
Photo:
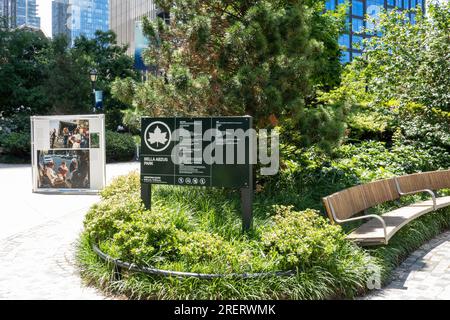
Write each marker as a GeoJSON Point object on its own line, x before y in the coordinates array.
{"type": "Point", "coordinates": [45, 12]}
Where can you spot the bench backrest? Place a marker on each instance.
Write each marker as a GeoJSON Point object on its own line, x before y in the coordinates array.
{"type": "Point", "coordinates": [349, 202]}
{"type": "Point", "coordinates": [440, 180]}
{"type": "Point", "coordinates": [433, 180]}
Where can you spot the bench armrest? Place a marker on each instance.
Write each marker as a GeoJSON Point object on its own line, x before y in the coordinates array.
{"type": "Point", "coordinates": [367, 216]}
{"type": "Point", "coordinates": [433, 195]}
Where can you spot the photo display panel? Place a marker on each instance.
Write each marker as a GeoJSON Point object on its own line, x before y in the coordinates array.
{"type": "Point", "coordinates": [68, 153]}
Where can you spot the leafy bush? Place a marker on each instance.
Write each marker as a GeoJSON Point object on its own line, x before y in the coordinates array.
{"type": "Point", "coordinates": [302, 238]}
{"type": "Point", "coordinates": [16, 144]}
{"type": "Point", "coordinates": [18, 121]}
{"type": "Point", "coordinates": [307, 175]}
{"type": "Point", "coordinates": [119, 146]}
{"type": "Point", "coordinates": [204, 236]}
{"type": "Point", "coordinates": [425, 129]}
{"type": "Point", "coordinates": [369, 125]}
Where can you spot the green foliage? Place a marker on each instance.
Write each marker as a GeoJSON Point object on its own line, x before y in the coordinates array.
{"type": "Point", "coordinates": [398, 92]}
{"type": "Point", "coordinates": [123, 185]}
{"type": "Point", "coordinates": [302, 238]}
{"type": "Point", "coordinates": [308, 175]}
{"type": "Point", "coordinates": [199, 246]}
{"type": "Point", "coordinates": [16, 144]}
{"type": "Point", "coordinates": [409, 62]}
{"type": "Point", "coordinates": [264, 58]}
{"type": "Point", "coordinates": [425, 129]}
{"type": "Point", "coordinates": [21, 72]}
{"type": "Point", "coordinates": [119, 146]}
{"type": "Point", "coordinates": [111, 62]}
{"type": "Point", "coordinates": [45, 76]}
{"type": "Point", "coordinates": [204, 236]}
{"type": "Point", "coordinates": [369, 124]}
{"type": "Point", "coordinates": [66, 84]}
{"type": "Point", "coordinates": [18, 121]}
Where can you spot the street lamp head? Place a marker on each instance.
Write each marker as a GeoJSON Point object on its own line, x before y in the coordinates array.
{"type": "Point", "coordinates": [93, 74]}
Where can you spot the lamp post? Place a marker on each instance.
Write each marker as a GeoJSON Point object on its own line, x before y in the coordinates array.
{"type": "Point", "coordinates": [94, 74]}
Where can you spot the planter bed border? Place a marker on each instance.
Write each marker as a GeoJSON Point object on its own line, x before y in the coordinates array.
{"type": "Point", "coordinates": [122, 265]}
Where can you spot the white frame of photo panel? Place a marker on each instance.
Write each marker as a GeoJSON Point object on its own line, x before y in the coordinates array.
{"type": "Point", "coordinates": [95, 178]}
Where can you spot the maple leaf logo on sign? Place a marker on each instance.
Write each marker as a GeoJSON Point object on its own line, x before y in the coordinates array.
{"type": "Point", "coordinates": [157, 136]}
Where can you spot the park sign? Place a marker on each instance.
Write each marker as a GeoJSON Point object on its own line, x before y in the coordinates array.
{"type": "Point", "coordinates": [198, 152]}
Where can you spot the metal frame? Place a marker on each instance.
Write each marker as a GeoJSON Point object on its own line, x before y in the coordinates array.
{"type": "Point", "coordinates": [367, 216]}
{"type": "Point", "coordinates": [379, 218]}
{"type": "Point", "coordinates": [119, 265]}
{"type": "Point", "coordinates": [34, 160]}
{"type": "Point", "coordinates": [399, 190]}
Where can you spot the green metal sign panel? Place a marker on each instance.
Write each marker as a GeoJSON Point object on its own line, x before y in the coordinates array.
{"type": "Point", "coordinates": [205, 151]}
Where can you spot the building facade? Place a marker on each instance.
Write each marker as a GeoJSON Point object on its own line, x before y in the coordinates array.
{"type": "Point", "coordinates": [357, 11]}
{"type": "Point", "coordinates": [6, 7]}
{"type": "Point", "coordinates": [26, 14]}
{"type": "Point", "coordinates": [125, 18]}
{"type": "Point", "coordinates": [60, 16]}
{"type": "Point", "coordinates": [20, 13]}
{"type": "Point", "coordinates": [79, 17]}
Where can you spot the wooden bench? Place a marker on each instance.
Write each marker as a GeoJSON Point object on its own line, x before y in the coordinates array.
{"type": "Point", "coordinates": [352, 204]}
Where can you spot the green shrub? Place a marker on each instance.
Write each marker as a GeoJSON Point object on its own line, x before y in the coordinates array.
{"type": "Point", "coordinates": [16, 144]}
{"type": "Point", "coordinates": [425, 130]}
{"type": "Point", "coordinates": [302, 238]}
{"type": "Point", "coordinates": [204, 236]}
{"type": "Point", "coordinates": [307, 175]}
{"type": "Point", "coordinates": [369, 125]}
{"type": "Point", "coordinates": [119, 146]}
{"type": "Point", "coordinates": [200, 246]}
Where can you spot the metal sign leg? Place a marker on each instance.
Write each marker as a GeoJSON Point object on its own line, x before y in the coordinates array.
{"type": "Point", "coordinates": [146, 195]}
{"type": "Point", "coordinates": [247, 207]}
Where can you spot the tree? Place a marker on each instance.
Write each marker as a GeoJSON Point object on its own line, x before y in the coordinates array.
{"type": "Point", "coordinates": [21, 71]}
{"type": "Point", "coordinates": [67, 85]}
{"type": "Point", "coordinates": [410, 62]}
{"type": "Point", "coordinates": [263, 58]}
{"type": "Point", "coordinates": [401, 83]}
{"type": "Point", "coordinates": [111, 62]}
{"type": "Point", "coordinates": [46, 76]}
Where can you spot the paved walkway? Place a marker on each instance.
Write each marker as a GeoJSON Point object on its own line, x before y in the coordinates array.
{"type": "Point", "coordinates": [37, 238]}
{"type": "Point", "coordinates": [423, 275]}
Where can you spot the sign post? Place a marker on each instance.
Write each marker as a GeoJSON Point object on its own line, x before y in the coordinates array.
{"type": "Point", "coordinates": [198, 152]}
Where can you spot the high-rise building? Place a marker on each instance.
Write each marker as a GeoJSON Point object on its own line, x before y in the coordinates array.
{"type": "Point", "coordinates": [26, 14]}
{"type": "Point", "coordinates": [60, 17]}
{"type": "Point", "coordinates": [125, 17]}
{"type": "Point", "coordinates": [79, 17]}
{"type": "Point", "coordinates": [8, 11]}
{"type": "Point", "coordinates": [20, 13]}
{"type": "Point", "coordinates": [358, 10]}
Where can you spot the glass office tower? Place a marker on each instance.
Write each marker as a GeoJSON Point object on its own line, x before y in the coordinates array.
{"type": "Point", "coordinates": [60, 16]}
{"type": "Point", "coordinates": [26, 14]}
{"type": "Point", "coordinates": [20, 13]}
{"type": "Point", "coordinates": [357, 11]}
{"type": "Point", "coordinates": [79, 17]}
{"type": "Point", "coordinates": [125, 17]}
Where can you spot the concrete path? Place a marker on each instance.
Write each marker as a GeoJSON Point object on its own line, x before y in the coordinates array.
{"type": "Point", "coordinates": [37, 237]}
{"type": "Point", "coordinates": [423, 275]}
